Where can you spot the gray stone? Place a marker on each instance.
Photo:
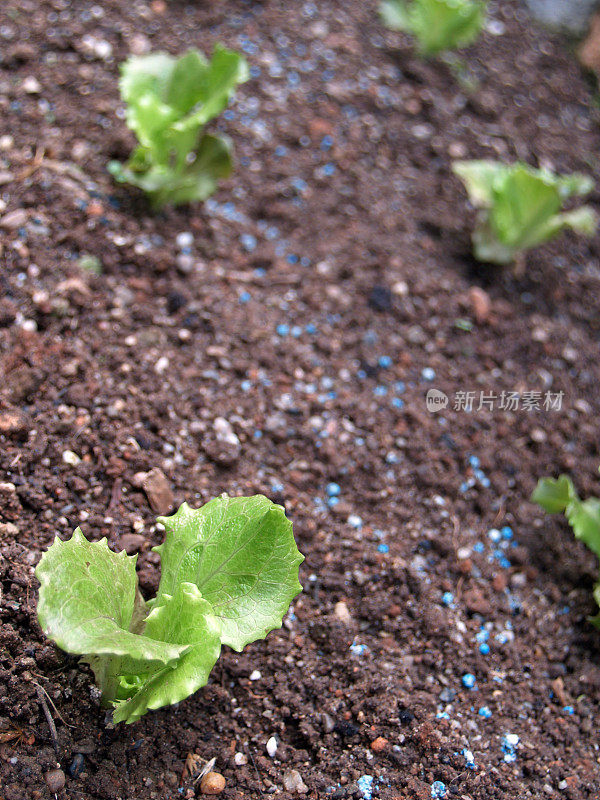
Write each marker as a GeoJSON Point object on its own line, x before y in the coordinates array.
{"type": "Point", "coordinates": [568, 15]}
{"type": "Point", "coordinates": [293, 783]}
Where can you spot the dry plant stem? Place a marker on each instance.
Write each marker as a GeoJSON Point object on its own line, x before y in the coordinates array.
{"type": "Point", "coordinates": [49, 720]}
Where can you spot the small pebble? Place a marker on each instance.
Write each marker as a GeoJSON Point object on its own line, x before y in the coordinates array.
{"type": "Point", "coordinates": [158, 491]}
{"type": "Point", "coordinates": [31, 85]}
{"type": "Point", "coordinates": [355, 521]}
{"type": "Point", "coordinates": [184, 239]}
{"type": "Point", "coordinates": [342, 613]}
{"type": "Point", "coordinates": [256, 675]}
{"type": "Point", "coordinates": [428, 374]}
{"type": "Point", "coordinates": [272, 747]}
{"type": "Point", "coordinates": [14, 219]}
{"type": "Point", "coordinates": [55, 780]}
{"type": "Point", "coordinates": [71, 458]}
{"type": "Point", "coordinates": [379, 744]}
{"type": "Point", "coordinates": [484, 712]}
{"type": "Point", "coordinates": [333, 490]}
{"type": "Point", "coordinates": [292, 782]}
{"type": "Point", "coordinates": [480, 303]}
{"type": "Point", "coordinates": [161, 365]}
{"type": "Point", "coordinates": [447, 695]}
{"type": "Point", "coordinates": [212, 783]}
{"type": "Point", "coordinates": [240, 759]}
{"type": "Point", "coordinates": [248, 242]}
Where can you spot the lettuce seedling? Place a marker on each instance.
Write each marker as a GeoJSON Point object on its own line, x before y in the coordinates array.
{"type": "Point", "coordinates": [229, 571]}
{"type": "Point", "coordinates": [437, 25]}
{"type": "Point", "coordinates": [169, 102]}
{"type": "Point", "coordinates": [559, 497]}
{"type": "Point", "coordinates": [520, 207]}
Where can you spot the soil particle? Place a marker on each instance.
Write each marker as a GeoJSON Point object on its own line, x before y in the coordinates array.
{"type": "Point", "coordinates": [158, 491]}
{"type": "Point", "coordinates": [131, 542]}
{"type": "Point", "coordinates": [14, 423]}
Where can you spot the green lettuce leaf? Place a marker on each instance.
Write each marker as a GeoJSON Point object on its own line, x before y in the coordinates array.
{"type": "Point", "coordinates": [87, 601]}
{"type": "Point", "coordinates": [596, 619]}
{"type": "Point", "coordinates": [188, 620]}
{"type": "Point", "coordinates": [524, 205]}
{"type": "Point", "coordinates": [230, 570]}
{"type": "Point", "coordinates": [582, 220]}
{"type": "Point", "coordinates": [437, 25]}
{"type": "Point", "coordinates": [241, 554]}
{"type": "Point", "coordinates": [479, 178]}
{"type": "Point", "coordinates": [164, 184]}
{"type": "Point", "coordinates": [584, 518]}
{"type": "Point", "coordinates": [558, 496]}
{"type": "Point", "coordinates": [169, 102]}
{"type": "Point", "coordinates": [395, 15]}
{"type": "Point", "coordinates": [202, 89]}
{"type": "Point", "coordinates": [520, 207]}
{"type": "Point", "coordinates": [554, 495]}
{"type": "Point", "coordinates": [575, 185]}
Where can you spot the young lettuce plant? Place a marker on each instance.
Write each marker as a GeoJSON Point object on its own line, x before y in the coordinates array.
{"type": "Point", "coordinates": [520, 207]}
{"type": "Point", "coordinates": [169, 102]}
{"type": "Point", "coordinates": [229, 571]}
{"type": "Point", "coordinates": [437, 25]}
{"type": "Point", "coordinates": [560, 497]}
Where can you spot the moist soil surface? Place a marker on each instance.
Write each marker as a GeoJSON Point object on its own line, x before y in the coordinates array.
{"type": "Point", "coordinates": [282, 337]}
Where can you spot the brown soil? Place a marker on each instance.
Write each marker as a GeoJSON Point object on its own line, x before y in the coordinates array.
{"type": "Point", "coordinates": [363, 260]}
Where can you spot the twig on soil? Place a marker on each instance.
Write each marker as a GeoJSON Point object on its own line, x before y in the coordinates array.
{"type": "Point", "coordinates": [51, 701]}
{"type": "Point", "coordinates": [64, 168]}
{"type": "Point", "coordinates": [196, 767]}
{"type": "Point", "coordinates": [205, 769]}
{"type": "Point", "coordinates": [36, 163]}
{"type": "Point", "coordinates": [260, 780]}
{"type": "Point", "coordinates": [500, 514]}
{"type": "Point", "coordinates": [49, 720]}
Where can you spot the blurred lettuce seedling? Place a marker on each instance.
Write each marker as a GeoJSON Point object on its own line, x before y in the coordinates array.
{"type": "Point", "coordinates": [169, 103]}
{"type": "Point", "coordinates": [521, 207]}
{"type": "Point", "coordinates": [437, 25]}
